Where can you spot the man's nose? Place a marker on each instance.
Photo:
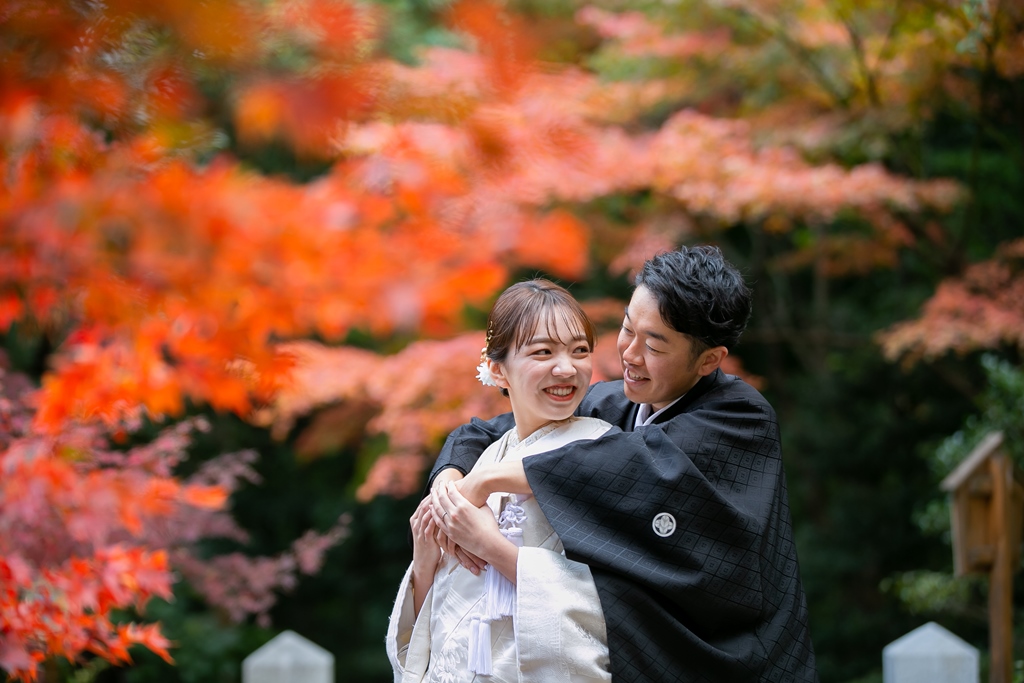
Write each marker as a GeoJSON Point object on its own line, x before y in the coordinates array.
{"type": "Point", "coordinates": [631, 353]}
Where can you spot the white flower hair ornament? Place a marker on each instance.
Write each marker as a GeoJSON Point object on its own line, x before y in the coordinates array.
{"type": "Point", "coordinates": [483, 371]}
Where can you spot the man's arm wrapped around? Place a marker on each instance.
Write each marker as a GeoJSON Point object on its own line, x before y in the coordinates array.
{"type": "Point", "coordinates": [463, 446]}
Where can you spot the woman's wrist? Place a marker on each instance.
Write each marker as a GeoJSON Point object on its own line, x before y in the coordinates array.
{"type": "Point", "coordinates": [503, 555]}
{"type": "Point", "coordinates": [423, 575]}
{"type": "Point", "coordinates": [475, 487]}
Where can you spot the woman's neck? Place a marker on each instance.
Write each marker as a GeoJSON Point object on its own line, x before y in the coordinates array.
{"type": "Point", "coordinates": [525, 429]}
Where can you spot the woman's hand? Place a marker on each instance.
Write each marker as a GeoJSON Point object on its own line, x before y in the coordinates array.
{"type": "Point", "coordinates": [465, 558]}
{"type": "Point", "coordinates": [444, 476]}
{"type": "Point", "coordinates": [507, 477]}
{"type": "Point", "coordinates": [475, 530]}
{"type": "Point", "coordinates": [426, 553]}
{"type": "Point", "coordinates": [475, 486]}
{"type": "Point", "coordinates": [441, 481]}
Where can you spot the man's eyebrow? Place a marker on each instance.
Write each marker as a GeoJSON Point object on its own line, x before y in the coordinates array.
{"type": "Point", "coordinates": [659, 337]}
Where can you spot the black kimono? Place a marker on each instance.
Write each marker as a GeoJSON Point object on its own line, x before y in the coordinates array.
{"type": "Point", "coordinates": [685, 525]}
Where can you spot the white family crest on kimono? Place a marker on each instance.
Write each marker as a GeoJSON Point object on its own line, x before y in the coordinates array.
{"type": "Point", "coordinates": [547, 628]}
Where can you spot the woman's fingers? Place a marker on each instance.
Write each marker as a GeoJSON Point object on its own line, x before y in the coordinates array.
{"type": "Point", "coordinates": [439, 516]}
{"type": "Point", "coordinates": [420, 516]}
{"type": "Point", "coordinates": [469, 560]}
{"type": "Point", "coordinates": [445, 476]}
{"type": "Point", "coordinates": [438, 508]}
{"type": "Point", "coordinates": [455, 495]}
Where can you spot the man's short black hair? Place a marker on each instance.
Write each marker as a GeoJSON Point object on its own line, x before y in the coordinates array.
{"type": "Point", "coordinates": [700, 294]}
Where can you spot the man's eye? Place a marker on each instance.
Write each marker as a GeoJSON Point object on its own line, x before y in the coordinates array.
{"type": "Point", "coordinates": [627, 330]}
{"type": "Point", "coordinates": [652, 349]}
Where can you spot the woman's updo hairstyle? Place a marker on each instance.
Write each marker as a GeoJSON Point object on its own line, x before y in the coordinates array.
{"type": "Point", "coordinates": [525, 307]}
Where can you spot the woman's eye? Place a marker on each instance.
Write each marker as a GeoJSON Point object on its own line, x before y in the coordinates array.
{"type": "Point", "coordinates": [583, 349]}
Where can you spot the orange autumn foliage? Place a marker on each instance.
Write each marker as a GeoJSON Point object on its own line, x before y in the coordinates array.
{"type": "Point", "coordinates": [415, 397]}
{"type": "Point", "coordinates": [73, 539]}
{"type": "Point", "coordinates": [164, 278]}
{"type": "Point", "coordinates": [166, 272]}
{"type": "Point", "coordinates": [87, 531]}
{"type": "Point", "coordinates": [982, 309]}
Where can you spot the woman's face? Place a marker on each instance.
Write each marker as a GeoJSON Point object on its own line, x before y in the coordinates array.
{"type": "Point", "coordinates": [547, 377]}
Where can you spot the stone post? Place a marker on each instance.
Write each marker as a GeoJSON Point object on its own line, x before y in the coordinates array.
{"type": "Point", "coordinates": [289, 658]}
{"type": "Point", "coordinates": [929, 654]}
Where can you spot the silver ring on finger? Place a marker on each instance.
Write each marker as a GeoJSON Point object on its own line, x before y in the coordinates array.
{"type": "Point", "coordinates": [446, 513]}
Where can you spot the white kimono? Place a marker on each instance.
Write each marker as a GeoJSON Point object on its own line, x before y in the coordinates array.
{"type": "Point", "coordinates": [557, 631]}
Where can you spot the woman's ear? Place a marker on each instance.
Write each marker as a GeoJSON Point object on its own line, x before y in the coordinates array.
{"type": "Point", "coordinates": [496, 372]}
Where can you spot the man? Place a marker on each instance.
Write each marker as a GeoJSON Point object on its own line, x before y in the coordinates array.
{"type": "Point", "coordinates": [683, 516]}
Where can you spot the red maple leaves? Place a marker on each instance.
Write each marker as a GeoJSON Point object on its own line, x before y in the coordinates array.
{"type": "Point", "coordinates": [166, 272]}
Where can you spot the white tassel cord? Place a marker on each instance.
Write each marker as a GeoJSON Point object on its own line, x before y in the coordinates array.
{"type": "Point", "coordinates": [499, 593]}
{"type": "Point", "coordinates": [483, 665]}
{"type": "Point", "coordinates": [500, 600]}
{"type": "Point", "coordinates": [474, 627]}
{"type": "Point", "coordinates": [480, 647]}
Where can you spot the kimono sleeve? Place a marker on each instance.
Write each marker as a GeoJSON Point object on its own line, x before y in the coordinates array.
{"type": "Point", "coordinates": [560, 630]}
{"type": "Point", "coordinates": [408, 638]}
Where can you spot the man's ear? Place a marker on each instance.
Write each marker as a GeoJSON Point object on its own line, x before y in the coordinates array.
{"type": "Point", "coordinates": [711, 360]}
{"type": "Point", "coordinates": [496, 372]}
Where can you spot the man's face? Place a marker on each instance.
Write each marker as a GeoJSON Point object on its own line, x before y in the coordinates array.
{"type": "Point", "coordinates": [657, 363]}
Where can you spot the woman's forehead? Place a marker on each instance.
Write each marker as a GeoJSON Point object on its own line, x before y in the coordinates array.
{"type": "Point", "coordinates": [556, 323]}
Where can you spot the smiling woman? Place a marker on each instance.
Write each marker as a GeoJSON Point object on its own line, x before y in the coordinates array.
{"type": "Point", "coordinates": [538, 351]}
{"type": "Point", "coordinates": [531, 610]}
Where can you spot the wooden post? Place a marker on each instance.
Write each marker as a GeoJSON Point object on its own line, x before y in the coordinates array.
{"type": "Point", "coordinates": [987, 509]}
{"type": "Point", "coordinates": [1000, 586]}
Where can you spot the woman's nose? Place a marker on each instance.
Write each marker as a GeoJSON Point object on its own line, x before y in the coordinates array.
{"type": "Point", "coordinates": [564, 367]}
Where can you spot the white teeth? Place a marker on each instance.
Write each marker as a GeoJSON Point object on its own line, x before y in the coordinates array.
{"type": "Point", "coordinates": [634, 377]}
{"type": "Point", "coordinates": [560, 391]}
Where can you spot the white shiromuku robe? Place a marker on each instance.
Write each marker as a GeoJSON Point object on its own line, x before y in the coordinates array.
{"type": "Point", "coordinates": [557, 631]}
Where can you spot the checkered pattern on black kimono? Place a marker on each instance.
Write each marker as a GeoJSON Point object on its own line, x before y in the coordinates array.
{"type": "Point", "coordinates": [720, 598]}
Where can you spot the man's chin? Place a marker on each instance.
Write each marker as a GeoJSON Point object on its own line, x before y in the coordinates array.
{"type": "Point", "coordinates": [631, 392]}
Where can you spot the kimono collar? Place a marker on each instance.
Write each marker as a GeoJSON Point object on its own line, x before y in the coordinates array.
{"type": "Point", "coordinates": [685, 401]}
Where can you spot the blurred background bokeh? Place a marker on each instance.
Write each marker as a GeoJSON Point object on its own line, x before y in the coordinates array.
{"type": "Point", "coordinates": [247, 248]}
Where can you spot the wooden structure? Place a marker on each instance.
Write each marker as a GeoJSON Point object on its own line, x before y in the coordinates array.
{"type": "Point", "coordinates": [987, 510]}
